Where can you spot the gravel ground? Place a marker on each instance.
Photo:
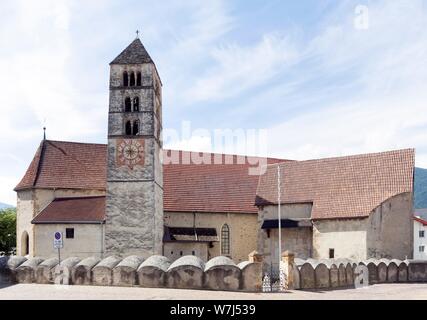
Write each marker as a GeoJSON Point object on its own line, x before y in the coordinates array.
{"type": "Point", "coordinates": [53, 292]}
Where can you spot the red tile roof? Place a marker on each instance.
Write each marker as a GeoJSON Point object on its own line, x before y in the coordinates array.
{"type": "Point", "coordinates": [341, 187]}
{"type": "Point", "coordinates": [67, 165]}
{"type": "Point", "coordinates": [187, 187]}
{"type": "Point", "coordinates": [73, 210]}
{"type": "Point", "coordinates": [423, 222]}
{"type": "Point", "coordinates": [210, 187]}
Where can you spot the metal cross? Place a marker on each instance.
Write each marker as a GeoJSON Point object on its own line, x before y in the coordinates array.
{"type": "Point", "coordinates": [137, 33]}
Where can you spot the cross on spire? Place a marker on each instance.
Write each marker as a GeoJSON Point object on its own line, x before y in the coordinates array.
{"type": "Point", "coordinates": [44, 133]}
{"type": "Point", "coordinates": [137, 33]}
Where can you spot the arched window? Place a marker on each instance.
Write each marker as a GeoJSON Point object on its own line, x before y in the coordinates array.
{"type": "Point", "coordinates": [25, 244]}
{"type": "Point", "coordinates": [138, 79]}
{"type": "Point", "coordinates": [136, 104]}
{"type": "Point", "coordinates": [225, 240]}
{"type": "Point", "coordinates": [128, 106]}
{"type": "Point", "coordinates": [132, 79]}
{"type": "Point", "coordinates": [128, 128]}
{"type": "Point", "coordinates": [125, 79]}
{"type": "Point", "coordinates": [135, 128]}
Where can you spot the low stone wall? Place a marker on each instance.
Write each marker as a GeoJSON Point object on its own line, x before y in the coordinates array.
{"type": "Point", "coordinates": [339, 273]}
{"type": "Point", "coordinates": [188, 272]}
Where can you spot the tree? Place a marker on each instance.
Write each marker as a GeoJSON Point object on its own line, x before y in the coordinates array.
{"type": "Point", "coordinates": [7, 230]}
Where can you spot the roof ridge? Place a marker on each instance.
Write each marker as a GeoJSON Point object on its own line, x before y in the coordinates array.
{"type": "Point", "coordinates": [353, 156]}
{"type": "Point", "coordinates": [76, 142]}
{"type": "Point", "coordinates": [77, 197]}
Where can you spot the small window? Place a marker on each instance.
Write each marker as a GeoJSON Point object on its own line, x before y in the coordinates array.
{"type": "Point", "coordinates": [128, 105]}
{"type": "Point", "coordinates": [125, 79]}
{"type": "Point", "coordinates": [225, 240]}
{"type": "Point", "coordinates": [421, 233]}
{"type": "Point", "coordinates": [193, 253]}
{"type": "Point", "coordinates": [132, 79]}
{"type": "Point", "coordinates": [136, 104]}
{"type": "Point", "coordinates": [180, 253]}
{"type": "Point", "coordinates": [171, 252]}
{"type": "Point", "coordinates": [128, 128]}
{"type": "Point", "coordinates": [331, 253]}
{"type": "Point", "coordinates": [421, 248]}
{"type": "Point", "coordinates": [138, 79]}
{"type": "Point", "coordinates": [69, 233]}
{"type": "Point", "coordinates": [135, 128]}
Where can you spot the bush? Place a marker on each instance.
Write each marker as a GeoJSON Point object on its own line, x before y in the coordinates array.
{"type": "Point", "coordinates": [7, 230]}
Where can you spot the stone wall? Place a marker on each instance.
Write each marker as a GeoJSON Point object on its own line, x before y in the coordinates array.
{"type": "Point", "coordinates": [30, 203]}
{"type": "Point", "coordinates": [188, 272]}
{"type": "Point", "coordinates": [327, 274]}
{"type": "Point", "coordinates": [391, 229]}
{"type": "Point", "coordinates": [346, 236]}
{"type": "Point", "coordinates": [134, 195]}
{"type": "Point", "coordinates": [243, 231]}
{"type": "Point", "coordinates": [88, 240]}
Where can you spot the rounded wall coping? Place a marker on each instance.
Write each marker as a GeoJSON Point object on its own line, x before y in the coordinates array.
{"type": "Point", "coordinates": [306, 265]}
{"type": "Point", "coordinates": [368, 262]}
{"type": "Point", "coordinates": [190, 261]}
{"type": "Point", "coordinates": [49, 263]}
{"type": "Point", "coordinates": [219, 262]}
{"type": "Point", "coordinates": [130, 262]}
{"type": "Point", "coordinates": [70, 262]}
{"type": "Point", "coordinates": [244, 264]}
{"type": "Point", "coordinates": [12, 262]}
{"type": "Point", "coordinates": [156, 261]}
{"type": "Point", "coordinates": [109, 262]}
{"type": "Point", "coordinates": [320, 264]}
{"type": "Point", "coordinates": [329, 263]}
{"type": "Point", "coordinates": [299, 261]}
{"type": "Point", "coordinates": [397, 262]}
{"type": "Point", "coordinates": [384, 261]}
{"type": "Point", "coordinates": [343, 261]}
{"type": "Point", "coordinates": [89, 262]}
{"type": "Point", "coordinates": [31, 263]}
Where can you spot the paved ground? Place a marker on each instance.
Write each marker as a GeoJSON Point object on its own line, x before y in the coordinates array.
{"type": "Point", "coordinates": [52, 292]}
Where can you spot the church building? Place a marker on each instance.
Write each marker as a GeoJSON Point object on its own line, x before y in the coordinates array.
{"type": "Point", "coordinates": [122, 199]}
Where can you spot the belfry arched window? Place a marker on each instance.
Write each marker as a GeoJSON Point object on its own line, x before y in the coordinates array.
{"type": "Point", "coordinates": [132, 79]}
{"type": "Point", "coordinates": [135, 131]}
{"type": "Point", "coordinates": [128, 128]}
{"type": "Point", "coordinates": [128, 105]}
{"type": "Point", "coordinates": [136, 104]}
{"type": "Point", "coordinates": [225, 240]}
{"type": "Point", "coordinates": [125, 79]}
{"type": "Point", "coordinates": [138, 79]}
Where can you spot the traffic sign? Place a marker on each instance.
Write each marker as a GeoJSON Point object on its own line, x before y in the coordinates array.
{"type": "Point", "coordinates": [57, 241]}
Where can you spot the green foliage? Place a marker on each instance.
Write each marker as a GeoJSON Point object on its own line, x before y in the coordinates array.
{"type": "Point", "coordinates": [7, 230]}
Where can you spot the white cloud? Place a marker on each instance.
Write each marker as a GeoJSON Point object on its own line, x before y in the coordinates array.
{"type": "Point", "coordinates": [384, 71]}
{"type": "Point", "coordinates": [240, 68]}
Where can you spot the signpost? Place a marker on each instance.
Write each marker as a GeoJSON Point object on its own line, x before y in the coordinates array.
{"type": "Point", "coordinates": [58, 243]}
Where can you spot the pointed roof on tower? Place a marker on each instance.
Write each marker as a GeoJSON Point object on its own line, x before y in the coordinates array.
{"type": "Point", "coordinates": [135, 53]}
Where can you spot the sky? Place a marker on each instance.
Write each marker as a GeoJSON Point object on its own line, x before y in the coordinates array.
{"type": "Point", "coordinates": [319, 78]}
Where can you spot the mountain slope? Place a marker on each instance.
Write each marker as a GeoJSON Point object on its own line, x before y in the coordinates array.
{"type": "Point", "coordinates": [4, 206]}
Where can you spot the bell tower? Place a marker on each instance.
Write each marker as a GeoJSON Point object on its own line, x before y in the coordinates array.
{"type": "Point", "coordinates": [134, 205]}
